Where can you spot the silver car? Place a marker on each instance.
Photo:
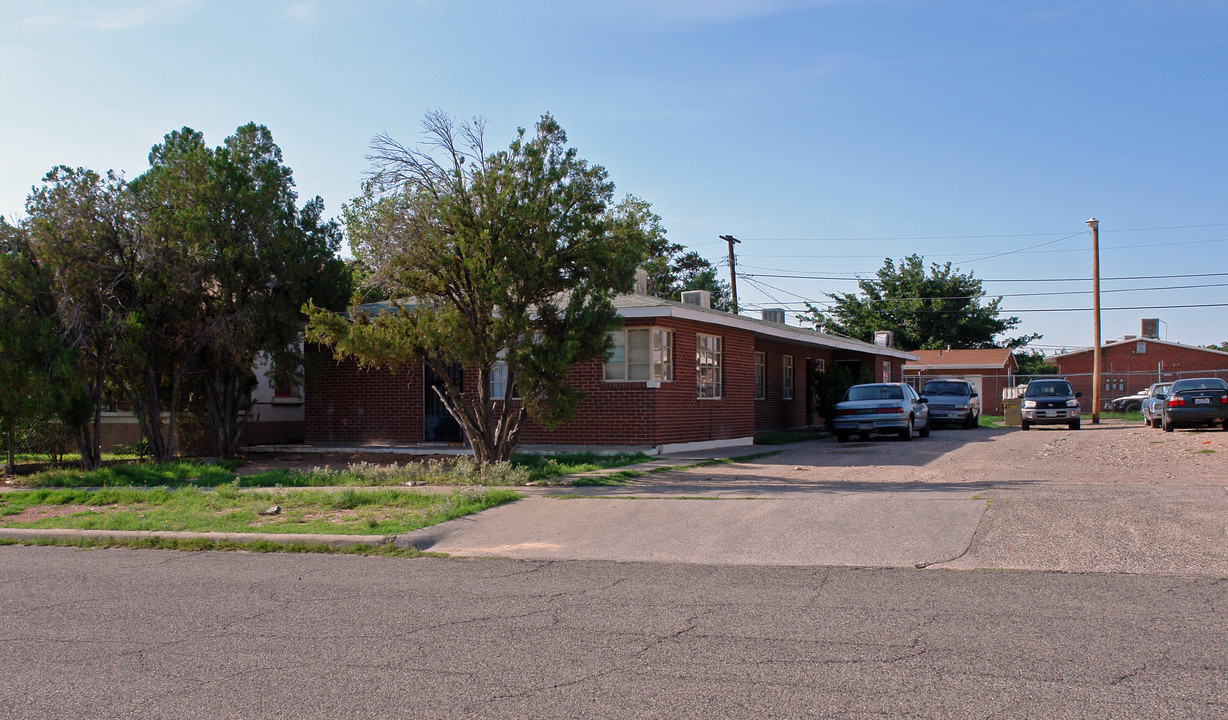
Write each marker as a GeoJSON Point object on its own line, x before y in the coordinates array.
{"type": "Point", "coordinates": [1153, 404]}
{"type": "Point", "coordinates": [892, 408]}
{"type": "Point", "coordinates": [952, 400]}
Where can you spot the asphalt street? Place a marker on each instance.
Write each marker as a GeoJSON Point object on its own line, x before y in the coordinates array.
{"type": "Point", "coordinates": [154, 634]}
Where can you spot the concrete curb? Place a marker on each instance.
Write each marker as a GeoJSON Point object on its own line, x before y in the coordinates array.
{"type": "Point", "coordinates": [334, 541]}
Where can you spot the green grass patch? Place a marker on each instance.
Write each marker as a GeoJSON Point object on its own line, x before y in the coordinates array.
{"type": "Point", "coordinates": [200, 544]}
{"type": "Point", "coordinates": [787, 437]}
{"type": "Point", "coordinates": [384, 511]}
{"type": "Point", "coordinates": [547, 466]}
{"type": "Point", "coordinates": [1204, 451]}
{"type": "Point", "coordinates": [991, 420]}
{"type": "Point", "coordinates": [621, 477]}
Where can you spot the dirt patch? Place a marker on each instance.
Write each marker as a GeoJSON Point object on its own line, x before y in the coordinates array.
{"type": "Point", "coordinates": [34, 513]}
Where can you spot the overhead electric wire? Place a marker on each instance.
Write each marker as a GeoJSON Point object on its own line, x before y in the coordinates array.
{"type": "Point", "coordinates": [798, 276]}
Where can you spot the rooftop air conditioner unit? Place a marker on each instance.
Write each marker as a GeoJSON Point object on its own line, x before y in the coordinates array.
{"type": "Point", "coordinates": [702, 298]}
{"type": "Point", "coordinates": [1150, 328]}
{"type": "Point", "coordinates": [775, 315]}
{"type": "Point", "coordinates": [884, 338]}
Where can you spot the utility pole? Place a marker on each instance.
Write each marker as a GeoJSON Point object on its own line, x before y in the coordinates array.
{"type": "Point", "coordinates": [733, 278]}
{"type": "Point", "coordinates": [1094, 224]}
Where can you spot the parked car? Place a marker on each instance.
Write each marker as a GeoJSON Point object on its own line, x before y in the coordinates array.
{"type": "Point", "coordinates": [952, 400]}
{"type": "Point", "coordinates": [1196, 402]}
{"type": "Point", "coordinates": [1128, 403]}
{"type": "Point", "coordinates": [1050, 402]}
{"type": "Point", "coordinates": [1153, 404]}
{"type": "Point", "coordinates": [893, 408]}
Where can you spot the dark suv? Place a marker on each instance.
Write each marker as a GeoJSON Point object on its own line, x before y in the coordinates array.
{"type": "Point", "coordinates": [1049, 402]}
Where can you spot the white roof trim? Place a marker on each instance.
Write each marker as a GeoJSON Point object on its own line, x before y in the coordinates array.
{"type": "Point", "coordinates": [911, 366]}
{"type": "Point", "coordinates": [761, 328]}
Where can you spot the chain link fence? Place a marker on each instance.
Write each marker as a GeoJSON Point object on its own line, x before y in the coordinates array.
{"type": "Point", "coordinates": [37, 440]}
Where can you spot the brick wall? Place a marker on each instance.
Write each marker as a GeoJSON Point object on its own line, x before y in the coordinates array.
{"type": "Point", "coordinates": [346, 404]}
{"type": "Point", "coordinates": [1124, 370]}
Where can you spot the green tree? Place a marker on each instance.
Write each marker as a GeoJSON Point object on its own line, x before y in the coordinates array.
{"type": "Point", "coordinates": [926, 311]}
{"type": "Point", "coordinates": [671, 267]}
{"type": "Point", "coordinates": [36, 368]}
{"type": "Point", "coordinates": [235, 258]}
{"type": "Point", "coordinates": [1033, 363]}
{"type": "Point", "coordinates": [83, 234]}
{"type": "Point", "coordinates": [512, 257]}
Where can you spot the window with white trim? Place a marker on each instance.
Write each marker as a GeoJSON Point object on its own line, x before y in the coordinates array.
{"type": "Point", "coordinates": [820, 364]}
{"type": "Point", "coordinates": [760, 376]}
{"type": "Point", "coordinates": [498, 380]}
{"type": "Point", "coordinates": [886, 371]}
{"type": "Point", "coordinates": [641, 354]}
{"type": "Point", "coordinates": [786, 378]}
{"type": "Point", "coordinates": [708, 366]}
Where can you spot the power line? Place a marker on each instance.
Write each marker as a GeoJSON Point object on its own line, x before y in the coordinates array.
{"type": "Point", "coordinates": [800, 276]}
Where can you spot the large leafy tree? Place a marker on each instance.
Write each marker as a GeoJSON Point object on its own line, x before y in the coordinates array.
{"type": "Point", "coordinates": [511, 257]}
{"type": "Point", "coordinates": [233, 258]}
{"type": "Point", "coordinates": [36, 368]}
{"type": "Point", "coordinates": [83, 235]}
{"type": "Point", "coordinates": [926, 310]}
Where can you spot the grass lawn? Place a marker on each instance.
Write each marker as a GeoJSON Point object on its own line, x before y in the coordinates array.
{"type": "Point", "coordinates": [382, 511]}
{"type": "Point", "coordinates": [458, 471]}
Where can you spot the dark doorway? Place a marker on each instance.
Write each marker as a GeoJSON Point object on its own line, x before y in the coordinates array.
{"type": "Point", "coordinates": [809, 392]}
{"type": "Point", "coordinates": [438, 424]}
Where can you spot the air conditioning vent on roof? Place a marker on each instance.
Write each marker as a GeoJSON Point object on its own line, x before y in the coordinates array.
{"type": "Point", "coordinates": [702, 298]}
{"type": "Point", "coordinates": [776, 315]}
{"type": "Point", "coordinates": [884, 338]}
{"type": "Point", "coordinates": [1150, 328]}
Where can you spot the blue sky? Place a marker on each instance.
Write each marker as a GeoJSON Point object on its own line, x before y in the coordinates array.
{"type": "Point", "coordinates": [827, 136]}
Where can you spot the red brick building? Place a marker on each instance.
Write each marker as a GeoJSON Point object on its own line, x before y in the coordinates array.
{"type": "Point", "coordinates": [1134, 363]}
{"type": "Point", "coordinates": [682, 376]}
{"type": "Point", "coordinates": [989, 370]}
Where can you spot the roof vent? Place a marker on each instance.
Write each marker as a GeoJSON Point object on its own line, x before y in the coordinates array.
{"type": "Point", "coordinates": [702, 298]}
{"type": "Point", "coordinates": [641, 281]}
{"type": "Point", "coordinates": [776, 315]}
{"type": "Point", "coordinates": [884, 338]}
{"type": "Point", "coordinates": [1150, 328]}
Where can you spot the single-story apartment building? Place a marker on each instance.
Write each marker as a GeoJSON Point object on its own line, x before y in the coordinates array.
{"type": "Point", "coordinates": [682, 376]}
{"type": "Point", "coordinates": [989, 370]}
{"type": "Point", "coordinates": [1135, 362]}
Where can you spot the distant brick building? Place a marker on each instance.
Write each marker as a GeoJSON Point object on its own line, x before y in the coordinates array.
{"type": "Point", "coordinates": [1135, 362]}
{"type": "Point", "coordinates": [682, 376]}
{"type": "Point", "coordinates": [989, 370]}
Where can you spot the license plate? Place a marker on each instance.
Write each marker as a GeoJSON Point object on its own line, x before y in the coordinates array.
{"type": "Point", "coordinates": [865, 426]}
{"type": "Point", "coordinates": [1202, 401]}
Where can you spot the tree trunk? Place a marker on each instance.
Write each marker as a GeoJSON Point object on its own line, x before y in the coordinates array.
{"type": "Point", "coordinates": [228, 400]}
{"type": "Point", "coordinates": [8, 444]}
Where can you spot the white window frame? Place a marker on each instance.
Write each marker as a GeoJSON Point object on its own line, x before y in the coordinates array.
{"type": "Point", "coordinates": [820, 364]}
{"type": "Point", "coordinates": [498, 379]}
{"type": "Point", "coordinates": [708, 362]}
{"type": "Point", "coordinates": [886, 371]}
{"type": "Point", "coordinates": [760, 375]}
{"type": "Point", "coordinates": [656, 363]}
{"type": "Point", "coordinates": [786, 377]}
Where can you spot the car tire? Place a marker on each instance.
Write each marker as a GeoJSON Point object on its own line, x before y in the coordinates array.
{"type": "Point", "coordinates": [971, 421]}
{"type": "Point", "coordinates": [925, 431]}
{"type": "Point", "coordinates": [842, 437]}
{"type": "Point", "coordinates": [863, 437]}
{"type": "Point", "coordinates": [1168, 427]}
{"type": "Point", "coordinates": [1024, 425]}
{"type": "Point", "coordinates": [906, 433]}
{"type": "Point", "coordinates": [1133, 407]}
{"type": "Point", "coordinates": [1076, 424]}
{"type": "Point", "coordinates": [1226, 425]}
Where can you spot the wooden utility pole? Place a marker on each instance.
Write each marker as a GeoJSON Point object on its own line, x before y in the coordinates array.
{"type": "Point", "coordinates": [1094, 224]}
{"type": "Point", "coordinates": [733, 277]}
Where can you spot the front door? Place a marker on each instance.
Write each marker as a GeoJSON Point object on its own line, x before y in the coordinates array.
{"type": "Point", "coordinates": [438, 424]}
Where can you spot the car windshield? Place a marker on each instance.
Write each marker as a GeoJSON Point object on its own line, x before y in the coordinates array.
{"type": "Point", "coordinates": [945, 388]}
{"type": "Point", "coordinates": [874, 392]}
{"type": "Point", "coordinates": [1048, 389]}
{"type": "Point", "coordinates": [1160, 389]}
{"type": "Point", "coordinates": [1200, 384]}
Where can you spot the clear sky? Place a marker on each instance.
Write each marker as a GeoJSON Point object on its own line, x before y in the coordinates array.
{"type": "Point", "coordinates": [826, 136]}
